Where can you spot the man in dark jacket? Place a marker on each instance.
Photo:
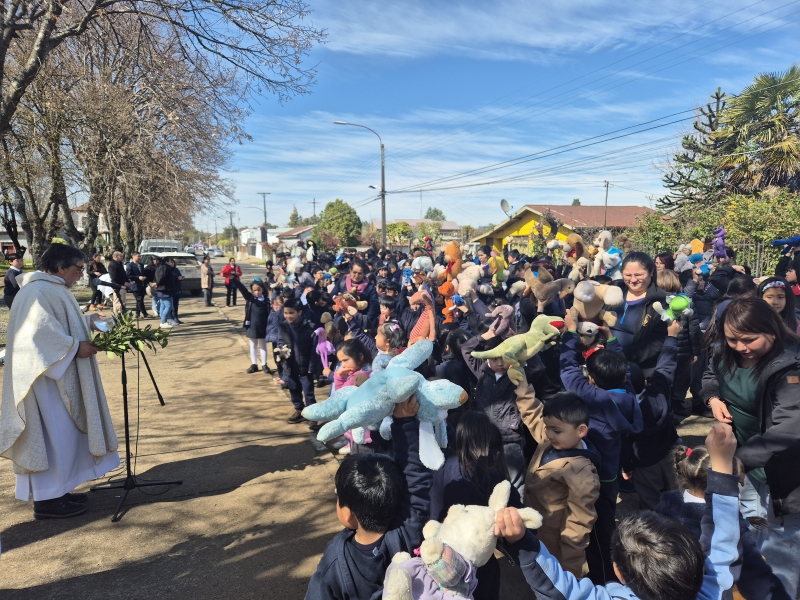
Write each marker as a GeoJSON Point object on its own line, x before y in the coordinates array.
{"type": "Point", "coordinates": [138, 279]}
{"type": "Point", "coordinates": [116, 270]}
{"type": "Point", "coordinates": [11, 286]}
{"type": "Point", "coordinates": [298, 334]}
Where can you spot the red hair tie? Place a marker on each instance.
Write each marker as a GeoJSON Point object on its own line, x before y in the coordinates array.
{"type": "Point", "coordinates": [688, 452]}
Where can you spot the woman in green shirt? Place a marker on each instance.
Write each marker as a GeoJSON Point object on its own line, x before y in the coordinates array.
{"type": "Point", "coordinates": [753, 383]}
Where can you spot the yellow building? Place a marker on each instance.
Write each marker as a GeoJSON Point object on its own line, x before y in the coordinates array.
{"type": "Point", "coordinates": [524, 229]}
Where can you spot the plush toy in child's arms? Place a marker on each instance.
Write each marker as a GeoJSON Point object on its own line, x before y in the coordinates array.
{"type": "Point", "coordinates": [678, 306]}
{"type": "Point", "coordinates": [452, 551]}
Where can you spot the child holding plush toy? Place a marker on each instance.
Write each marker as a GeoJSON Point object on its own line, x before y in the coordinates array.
{"type": "Point", "coordinates": [383, 505]}
{"type": "Point", "coordinates": [614, 412]}
{"type": "Point", "coordinates": [653, 557]}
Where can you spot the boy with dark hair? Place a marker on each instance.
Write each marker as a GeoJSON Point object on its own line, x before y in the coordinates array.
{"type": "Point", "coordinates": [562, 482]}
{"type": "Point", "coordinates": [297, 333]}
{"type": "Point", "coordinates": [387, 306]}
{"type": "Point", "coordinates": [497, 396]}
{"type": "Point", "coordinates": [393, 288]}
{"type": "Point", "coordinates": [613, 413]}
{"type": "Point", "coordinates": [383, 505]}
{"type": "Point", "coordinates": [654, 557]}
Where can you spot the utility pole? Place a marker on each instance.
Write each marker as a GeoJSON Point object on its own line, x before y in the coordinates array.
{"type": "Point", "coordinates": [266, 231]}
{"type": "Point", "coordinates": [605, 212]}
{"type": "Point", "coordinates": [233, 229]}
{"type": "Point", "coordinates": [420, 204]}
{"type": "Point", "coordinates": [314, 202]}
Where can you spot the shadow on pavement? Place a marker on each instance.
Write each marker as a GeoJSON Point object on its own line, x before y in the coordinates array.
{"type": "Point", "coordinates": [202, 476]}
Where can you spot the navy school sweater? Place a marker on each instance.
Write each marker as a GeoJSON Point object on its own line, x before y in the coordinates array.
{"type": "Point", "coordinates": [346, 573]}
{"type": "Point", "coordinates": [658, 435]}
{"type": "Point", "coordinates": [612, 413]}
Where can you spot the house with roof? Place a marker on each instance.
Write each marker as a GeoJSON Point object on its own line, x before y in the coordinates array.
{"type": "Point", "coordinates": [558, 221]}
{"type": "Point", "coordinates": [80, 214]}
{"type": "Point", "coordinates": [288, 239]}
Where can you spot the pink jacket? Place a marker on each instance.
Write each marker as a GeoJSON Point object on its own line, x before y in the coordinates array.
{"type": "Point", "coordinates": [341, 381]}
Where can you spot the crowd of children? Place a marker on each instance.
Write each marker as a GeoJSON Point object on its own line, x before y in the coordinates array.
{"type": "Point", "coordinates": [594, 413]}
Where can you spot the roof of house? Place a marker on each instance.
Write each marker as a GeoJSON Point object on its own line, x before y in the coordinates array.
{"type": "Point", "coordinates": [414, 223]}
{"type": "Point", "coordinates": [296, 231]}
{"type": "Point", "coordinates": [593, 215]}
{"type": "Point", "coordinates": [82, 207]}
{"type": "Point", "coordinates": [575, 217]}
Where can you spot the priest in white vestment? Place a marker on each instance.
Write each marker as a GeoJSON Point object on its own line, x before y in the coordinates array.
{"type": "Point", "coordinates": [55, 425]}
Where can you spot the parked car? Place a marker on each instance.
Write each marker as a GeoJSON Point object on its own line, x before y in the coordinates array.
{"type": "Point", "coordinates": [188, 265]}
{"type": "Point", "coordinates": [154, 246]}
{"type": "Point", "coordinates": [218, 253]}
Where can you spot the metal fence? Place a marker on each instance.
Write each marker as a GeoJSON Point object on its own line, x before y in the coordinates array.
{"type": "Point", "coordinates": [761, 258]}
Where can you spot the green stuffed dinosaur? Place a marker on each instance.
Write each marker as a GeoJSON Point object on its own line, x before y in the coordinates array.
{"type": "Point", "coordinates": [518, 349]}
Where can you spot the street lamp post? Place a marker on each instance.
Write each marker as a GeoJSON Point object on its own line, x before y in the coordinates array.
{"type": "Point", "coordinates": [383, 179]}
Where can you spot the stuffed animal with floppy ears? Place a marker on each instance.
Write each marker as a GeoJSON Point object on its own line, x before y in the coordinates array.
{"type": "Point", "coordinates": [448, 290]}
{"type": "Point", "coordinates": [545, 288]}
{"type": "Point", "coordinates": [369, 405]}
{"type": "Point", "coordinates": [503, 324]}
{"type": "Point", "coordinates": [452, 258]}
{"type": "Point", "coordinates": [451, 552]}
{"type": "Point", "coordinates": [587, 308]}
{"type": "Point", "coordinates": [719, 243]}
{"type": "Point", "coordinates": [678, 305]}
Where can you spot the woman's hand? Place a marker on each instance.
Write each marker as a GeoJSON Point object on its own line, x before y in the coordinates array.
{"type": "Point", "coordinates": [721, 446]}
{"type": "Point", "coordinates": [720, 410]}
{"type": "Point", "coordinates": [605, 331]}
{"type": "Point", "coordinates": [326, 372]}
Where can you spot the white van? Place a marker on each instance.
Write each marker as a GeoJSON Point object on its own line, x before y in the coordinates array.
{"type": "Point", "coordinates": [159, 246]}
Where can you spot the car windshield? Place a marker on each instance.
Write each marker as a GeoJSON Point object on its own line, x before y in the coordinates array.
{"type": "Point", "coordinates": [185, 261]}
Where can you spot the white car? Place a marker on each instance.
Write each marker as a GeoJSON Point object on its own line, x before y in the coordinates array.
{"type": "Point", "coordinates": [188, 265]}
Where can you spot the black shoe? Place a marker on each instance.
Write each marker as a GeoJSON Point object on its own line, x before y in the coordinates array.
{"type": "Point", "coordinates": [296, 418]}
{"type": "Point", "coordinates": [80, 498]}
{"type": "Point", "coordinates": [321, 382]}
{"type": "Point", "coordinates": [252, 369]}
{"type": "Point", "coordinates": [58, 508]}
{"type": "Point", "coordinates": [314, 426]}
{"type": "Point", "coordinates": [266, 369]}
{"type": "Point", "coordinates": [284, 387]}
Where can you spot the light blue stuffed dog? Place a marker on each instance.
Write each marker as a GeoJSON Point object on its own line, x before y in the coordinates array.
{"type": "Point", "coordinates": [354, 408]}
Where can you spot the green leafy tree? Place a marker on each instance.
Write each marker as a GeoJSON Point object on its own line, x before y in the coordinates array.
{"type": "Point", "coordinates": [399, 232]}
{"type": "Point", "coordinates": [432, 230]}
{"type": "Point", "coordinates": [576, 202]}
{"type": "Point", "coordinates": [312, 220]}
{"type": "Point", "coordinates": [467, 233]}
{"type": "Point", "coordinates": [760, 134]}
{"type": "Point", "coordinates": [656, 232]}
{"type": "Point", "coordinates": [371, 239]}
{"type": "Point", "coordinates": [295, 220]}
{"type": "Point", "coordinates": [339, 220]}
{"type": "Point", "coordinates": [435, 214]}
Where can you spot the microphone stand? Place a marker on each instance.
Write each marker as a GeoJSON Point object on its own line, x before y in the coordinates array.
{"type": "Point", "coordinates": [130, 482]}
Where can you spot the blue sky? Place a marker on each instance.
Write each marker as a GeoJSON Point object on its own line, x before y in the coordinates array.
{"type": "Point", "coordinates": [457, 86]}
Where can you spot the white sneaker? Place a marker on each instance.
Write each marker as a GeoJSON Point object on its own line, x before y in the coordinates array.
{"type": "Point", "coordinates": [345, 450]}
{"type": "Point", "coordinates": [166, 326]}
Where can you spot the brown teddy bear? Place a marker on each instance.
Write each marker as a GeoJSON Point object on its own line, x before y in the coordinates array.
{"type": "Point", "coordinates": [452, 257]}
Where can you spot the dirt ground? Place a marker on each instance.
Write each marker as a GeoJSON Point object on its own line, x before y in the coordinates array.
{"type": "Point", "coordinates": [256, 507]}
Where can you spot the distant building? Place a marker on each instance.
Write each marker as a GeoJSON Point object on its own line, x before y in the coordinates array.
{"type": "Point", "coordinates": [79, 216]}
{"type": "Point", "coordinates": [583, 220]}
{"type": "Point", "coordinates": [288, 239]}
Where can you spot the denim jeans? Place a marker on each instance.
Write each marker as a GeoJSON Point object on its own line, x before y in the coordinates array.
{"type": "Point", "coordinates": [779, 541]}
{"type": "Point", "coordinates": [165, 308]}
{"type": "Point", "coordinates": [299, 387]}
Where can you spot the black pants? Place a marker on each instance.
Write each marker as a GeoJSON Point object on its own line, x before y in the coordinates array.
{"type": "Point", "coordinates": [140, 309]}
{"type": "Point", "coordinates": [598, 553]}
{"type": "Point", "coordinates": [299, 386]}
{"type": "Point", "coordinates": [680, 385]}
{"type": "Point", "coordinates": [231, 287]}
{"type": "Point", "coordinates": [175, 301]}
{"type": "Point", "coordinates": [8, 300]}
{"type": "Point", "coordinates": [207, 293]}
{"type": "Point", "coordinates": [97, 297]}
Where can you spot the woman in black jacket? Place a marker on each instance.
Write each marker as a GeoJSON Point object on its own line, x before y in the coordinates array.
{"type": "Point", "coordinates": [639, 328]}
{"type": "Point", "coordinates": [256, 315]}
{"type": "Point", "coordinates": [753, 383]}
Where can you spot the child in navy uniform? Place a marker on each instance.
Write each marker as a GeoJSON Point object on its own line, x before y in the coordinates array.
{"type": "Point", "coordinates": [613, 413]}
{"type": "Point", "coordinates": [383, 504]}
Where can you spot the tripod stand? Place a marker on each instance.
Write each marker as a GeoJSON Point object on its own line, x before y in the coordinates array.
{"type": "Point", "coordinates": [130, 482]}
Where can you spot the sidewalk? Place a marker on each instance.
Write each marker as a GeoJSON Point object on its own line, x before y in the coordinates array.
{"type": "Point", "coordinates": [251, 519]}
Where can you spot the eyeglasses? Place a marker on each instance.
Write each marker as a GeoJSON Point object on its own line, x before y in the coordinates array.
{"type": "Point", "coordinates": [80, 269]}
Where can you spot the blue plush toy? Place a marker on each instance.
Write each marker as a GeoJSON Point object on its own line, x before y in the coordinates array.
{"type": "Point", "coordinates": [354, 408]}
{"type": "Point", "coordinates": [699, 261]}
{"type": "Point", "coordinates": [787, 244]}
